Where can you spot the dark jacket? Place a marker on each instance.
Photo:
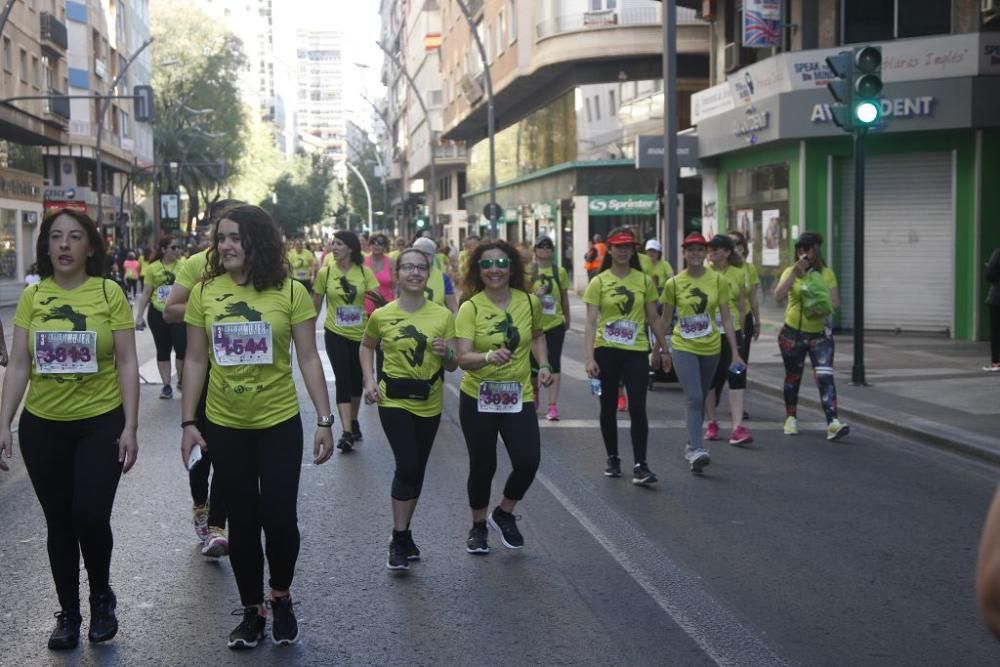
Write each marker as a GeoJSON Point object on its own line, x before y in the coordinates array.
{"type": "Point", "coordinates": [993, 278]}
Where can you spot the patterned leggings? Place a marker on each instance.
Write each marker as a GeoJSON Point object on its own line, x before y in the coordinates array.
{"type": "Point", "coordinates": [795, 345]}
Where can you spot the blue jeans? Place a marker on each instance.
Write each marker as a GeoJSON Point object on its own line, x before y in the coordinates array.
{"type": "Point", "coordinates": [695, 373]}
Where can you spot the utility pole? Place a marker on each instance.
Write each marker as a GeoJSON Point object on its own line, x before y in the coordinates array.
{"type": "Point", "coordinates": [670, 168]}
{"type": "Point", "coordinates": [368, 193]}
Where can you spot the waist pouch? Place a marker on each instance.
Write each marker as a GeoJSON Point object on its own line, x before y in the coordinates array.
{"type": "Point", "coordinates": [407, 388]}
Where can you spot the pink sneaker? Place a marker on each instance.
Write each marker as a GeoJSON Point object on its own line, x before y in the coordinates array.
{"type": "Point", "coordinates": [553, 414]}
{"type": "Point", "coordinates": [712, 432]}
{"type": "Point", "coordinates": [740, 435]}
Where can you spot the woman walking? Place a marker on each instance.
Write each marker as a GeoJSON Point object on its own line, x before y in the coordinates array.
{"type": "Point", "coordinates": [811, 289]}
{"type": "Point", "coordinates": [697, 293]}
{"type": "Point", "coordinates": [417, 339]}
{"type": "Point", "coordinates": [132, 268]}
{"type": "Point", "coordinates": [248, 311]}
{"type": "Point", "coordinates": [550, 284]}
{"type": "Point", "coordinates": [159, 279]}
{"type": "Point", "coordinates": [993, 303]}
{"type": "Point", "coordinates": [74, 341]}
{"type": "Point", "coordinates": [621, 307]}
{"type": "Point", "coordinates": [495, 329]}
{"type": "Point", "coordinates": [751, 321]}
{"type": "Point", "coordinates": [383, 270]}
{"type": "Point", "coordinates": [345, 282]}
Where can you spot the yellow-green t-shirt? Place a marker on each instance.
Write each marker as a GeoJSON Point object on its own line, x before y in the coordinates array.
{"type": "Point", "coordinates": [490, 328]}
{"type": "Point", "coordinates": [161, 276]}
{"type": "Point", "coordinates": [191, 270]}
{"type": "Point", "coordinates": [736, 279]}
{"type": "Point", "coordinates": [302, 263]}
{"type": "Point", "coordinates": [794, 317]}
{"type": "Point", "coordinates": [555, 285]}
{"type": "Point", "coordinates": [406, 344]}
{"type": "Point", "coordinates": [621, 303]}
{"type": "Point", "coordinates": [243, 327]}
{"type": "Point", "coordinates": [753, 278]}
{"type": "Point", "coordinates": [696, 300]}
{"type": "Point", "coordinates": [661, 272]}
{"type": "Point", "coordinates": [345, 298]}
{"type": "Point", "coordinates": [98, 306]}
{"type": "Point", "coordinates": [435, 290]}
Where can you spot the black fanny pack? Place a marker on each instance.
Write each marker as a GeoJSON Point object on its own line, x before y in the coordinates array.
{"type": "Point", "coordinates": [408, 388]}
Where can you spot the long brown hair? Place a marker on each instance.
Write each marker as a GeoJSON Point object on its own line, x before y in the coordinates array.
{"type": "Point", "coordinates": [472, 281]}
{"type": "Point", "coordinates": [266, 264]}
{"type": "Point", "coordinates": [633, 262]}
{"type": "Point", "coordinates": [95, 262]}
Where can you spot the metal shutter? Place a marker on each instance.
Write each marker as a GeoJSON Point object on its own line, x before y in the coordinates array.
{"type": "Point", "coordinates": [909, 242]}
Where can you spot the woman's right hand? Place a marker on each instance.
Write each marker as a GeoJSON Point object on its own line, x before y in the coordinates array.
{"type": "Point", "coordinates": [140, 324]}
{"type": "Point", "coordinates": [372, 393]}
{"type": "Point", "coordinates": [191, 438]}
{"type": "Point", "coordinates": [801, 266]}
{"type": "Point", "coordinates": [593, 370]}
{"type": "Point", "coordinates": [501, 356]}
{"type": "Point", "coordinates": [6, 447]}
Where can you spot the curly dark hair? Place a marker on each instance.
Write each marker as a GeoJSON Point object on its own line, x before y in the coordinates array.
{"type": "Point", "coordinates": [267, 266]}
{"type": "Point", "coordinates": [472, 281]}
{"type": "Point", "coordinates": [633, 262]}
{"type": "Point", "coordinates": [350, 239]}
{"type": "Point", "coordinates": [95, 261]}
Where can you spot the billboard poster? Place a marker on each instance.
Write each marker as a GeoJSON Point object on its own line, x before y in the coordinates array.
{"type": "Point", "coordinates": [744, 223]}
{"type": "Point", "coordinates": [762, 23]}
{"type": "Point", "coordinates": [770, 225]}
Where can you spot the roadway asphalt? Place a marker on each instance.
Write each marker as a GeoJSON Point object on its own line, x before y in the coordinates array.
{"type": "Point", "coordinates": [789, 551]}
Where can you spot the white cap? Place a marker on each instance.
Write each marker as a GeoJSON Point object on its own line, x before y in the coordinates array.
{"type": "Point", "coordinates": [653, 244]}
{"type": "Point", "coordinates": [426, 246]}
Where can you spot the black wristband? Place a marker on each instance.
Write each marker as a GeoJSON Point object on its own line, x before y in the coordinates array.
{"type": "Point", "coordinates": [189, 422]}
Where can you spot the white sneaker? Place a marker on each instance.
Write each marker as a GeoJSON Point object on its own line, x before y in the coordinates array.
{"type": "Point", "coordinates": [791, 426]}
{"type": "Point", "coordinates": [698, 459]}
{"type": "Point", "coordinates": [837, 430]}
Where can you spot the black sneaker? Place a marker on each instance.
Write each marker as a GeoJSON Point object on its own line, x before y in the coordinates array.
{"type": "Point", "coordinates": [66, 635]}
{"type": "Point", "coordinates": [614, 468]}
{"type": "Point", "coordinates": [346, 443]}
{"type": "Point", "coordinates": [412, 550]}
{"type": "Point", "coordinates": [166, 393]}
{"type": "Point", "coordinates": [506, 524]}
{"type": "Point", "coordinates": [356, 430]}
{"type": "Point", "coordinates": [249, 631]}
{"type": "Point", "coordinates": [284, 626]}
{"type": "Point", "coordinates": [397, 554]}
{"type": "Point", "coordinates": [642, 475]}
{"type": "Point", "coordinates": [477, 542]}
{"type": "Point", "coordinates": [103, 622]}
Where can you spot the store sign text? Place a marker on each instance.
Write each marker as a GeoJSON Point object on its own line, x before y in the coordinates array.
{"type": "Point", "coordinates": [901, 107]}
{"type": "Point", "coordinates": [623, 205]}
{"type": "Point", "coordinates": [753, 122]}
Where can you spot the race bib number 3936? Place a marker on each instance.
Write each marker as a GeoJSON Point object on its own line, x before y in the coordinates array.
{"type": "Point", "coordinates": [504, 397]}
{"type": "Point", "coordinates": [163, 292]}
{"type": "Point", "coordinates": [66, 351]}
{"type": "Point", "coordinates": [622, 332]}
{"type": "Point", "coordinates": [242, 343]}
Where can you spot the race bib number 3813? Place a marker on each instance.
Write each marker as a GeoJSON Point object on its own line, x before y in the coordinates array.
{"type": "Point", "coordinates": [66, 351]}
{"type": "Point", "coordinates": [242, 343]}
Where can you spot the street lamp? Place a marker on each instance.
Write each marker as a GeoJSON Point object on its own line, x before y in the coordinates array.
{"type": "Point", "coordinates": [368, 193]}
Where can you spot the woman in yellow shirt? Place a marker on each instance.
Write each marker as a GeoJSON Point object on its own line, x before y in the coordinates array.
{"type": "Point", "coordinates": [159, 279]}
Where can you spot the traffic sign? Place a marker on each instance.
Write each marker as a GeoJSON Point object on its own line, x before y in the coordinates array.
{"type": "Point", "coordinates": [493, 211]}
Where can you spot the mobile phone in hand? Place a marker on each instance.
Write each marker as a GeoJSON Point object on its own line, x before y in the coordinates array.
{"type": "Point", "coordinates": [194, 457]}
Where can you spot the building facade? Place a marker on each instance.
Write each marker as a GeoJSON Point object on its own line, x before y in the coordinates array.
{"type": "Point", "coordinates": [320, 117]}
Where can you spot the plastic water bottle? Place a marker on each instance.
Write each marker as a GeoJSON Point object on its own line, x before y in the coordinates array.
{"type": "Point", "coordinates": [736, 372]}
{"type": "Point", "coordinates": [595, 386]}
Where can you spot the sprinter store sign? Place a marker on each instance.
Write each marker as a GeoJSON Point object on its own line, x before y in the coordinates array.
{"type": "Point", "coordinates": [617, 205]}
{"type": "Point", "coordinates": [900, 107]}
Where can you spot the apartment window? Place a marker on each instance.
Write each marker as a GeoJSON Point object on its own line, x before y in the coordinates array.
{"type": "Point", "coordinates": [444, 188]}
{"type": "Point", "coordinates": [590, 117]}
{"type": "Point", "coordinates": [879, 20]}
{"type": "Point", "coordinates": [24, 66]}
{"type": "Point", "coordinates": [612, 108]}
{"type": "Point", "coordinates": [36, 73]}
{"type": "Point", "coordinates": [512, 20]}
{"type": "Point", "coordinates": [599, 5]}
{"type": "Point", "coordinates": [8, 58]}
{"type": "Point", "coordinates": [500, 41]}
{"type": "Point", "coordinates": [597, 107]}
{"type": "Point", "coordinates": [123, 120]}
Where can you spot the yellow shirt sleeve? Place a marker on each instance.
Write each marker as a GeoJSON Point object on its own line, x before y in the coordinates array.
{"type": "Point", "coordinates": [302, 305]}
{"type": "Point", "coordinates": [465, 325]}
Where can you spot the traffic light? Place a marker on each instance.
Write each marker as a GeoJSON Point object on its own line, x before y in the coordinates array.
{"type": "Point", "coordinates": [856, 87]}
{"type": "Point", "coordinates": [142, 107]}
{"type": "Point", "coordinates": [842, 66]}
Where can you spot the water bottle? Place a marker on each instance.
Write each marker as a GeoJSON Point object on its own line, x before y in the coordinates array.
{"type": "Point", "coordinates": [736, 372]}
{"type": "Point", "coordinates": [595, 386]}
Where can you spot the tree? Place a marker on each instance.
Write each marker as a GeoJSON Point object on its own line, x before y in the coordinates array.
{"type": "Point", "coordinates": [301, 197]}
{"type": "Point", "coordinates": [365, 162]}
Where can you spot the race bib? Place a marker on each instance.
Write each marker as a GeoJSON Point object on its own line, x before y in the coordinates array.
{"type": "Point", "coordinates": [503, 397]}
{"type": "Point", "coordinates": [60, 352]}
{"type": "Point", "coordinates": [622, 332]}
{"type": "Point", "coordinates": [242, 343]}
{"type": "Point", "coordinates": [163, 293]}
{"type": "Point", "coordinates": [695, 326]}
{"type": "Point", "coordinates": [349, 316]}
{"type": "Point", "coordinates": [548, 305]}
{"type": "Point", "coordinates": [302, 274]}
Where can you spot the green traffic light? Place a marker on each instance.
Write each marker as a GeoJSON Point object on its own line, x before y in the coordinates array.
{"type": "Point", "coordinates": [867, 112]}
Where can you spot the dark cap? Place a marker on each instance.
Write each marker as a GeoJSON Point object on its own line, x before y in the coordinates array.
{"type": "Point", "coordinates": [721, 241]}
{"type": "Point", "coordinates": [544, 239]}
{"type": "Point", "coordinates": [809, 239]}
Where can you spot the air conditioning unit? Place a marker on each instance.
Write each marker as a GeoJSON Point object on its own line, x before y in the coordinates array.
{"type": "Point", "coordinates": [471, 90]}
{"type": "Point", "coordinates": [732, 56]}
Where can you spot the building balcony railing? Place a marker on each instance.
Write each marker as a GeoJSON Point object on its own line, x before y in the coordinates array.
{"type": "Point", "coordinates": [53, 32]}
{"type": "Point", "coordinates": [475, 7]}
{"type": "Point", "coordinates": [57, 104]}
{"type": "Point", "coordinates": [450, 151]}
{"type": "Point", "coordinates": [630, 16]}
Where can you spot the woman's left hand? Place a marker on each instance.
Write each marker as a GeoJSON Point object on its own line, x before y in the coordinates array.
{"type": "Point", "coordinates": [128, 450]}
{"type": "Point", "coordinates": [545, 377]}
{"type": "Point", "coordinates": [322, 445]}
{"type": "Point", "coordinates": [439, 348]}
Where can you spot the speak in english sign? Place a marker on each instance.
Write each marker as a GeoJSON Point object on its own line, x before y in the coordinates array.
{"type": "Point", "coordinates": [619, 205]}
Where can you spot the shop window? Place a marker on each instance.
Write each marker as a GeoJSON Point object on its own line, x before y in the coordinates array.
{"type": "Point", "coordinates": [8, 244]}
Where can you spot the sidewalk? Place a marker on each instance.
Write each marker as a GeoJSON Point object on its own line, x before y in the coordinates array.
{"type": "Point", "coordinates": [929, 388]}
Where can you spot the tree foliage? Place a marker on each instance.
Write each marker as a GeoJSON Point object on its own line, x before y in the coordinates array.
{"type": "Point", "coordinates": [300, 197]}
{"type": "Point", "coordinates": [365, 162]}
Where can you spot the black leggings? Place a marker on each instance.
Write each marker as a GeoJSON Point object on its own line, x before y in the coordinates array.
{"type": "Point", "coordinates": [632, 366]}
{"type": "Point", "coordinates": [749, 326]}
{"type": "Point", "coordinates": [521, 438]}
{"type": "Point", "coordinates": [411, 438]}
{"type": "Point", "coordinates": [132, 284]}
{"type": "Point", "coordinates": [259, 473]}
{"type": "Point", "coordinates": [199, 474]}
{"type": "Point", "coordinates": [554, 339]}
{"type": "Point", "coordinates": [346, 365]}
{"type": "Point", "coordinates": [74, 468]}
{"type": "Point", "coordinates": [167, 336]}
{"type": "Point", "coordinates": [722, 370]}
{"type": "Point", "coordinates": [994, 333]}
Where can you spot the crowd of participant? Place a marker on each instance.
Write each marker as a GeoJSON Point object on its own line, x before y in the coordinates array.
{"type": "Point", "coordinates": [399, 316]}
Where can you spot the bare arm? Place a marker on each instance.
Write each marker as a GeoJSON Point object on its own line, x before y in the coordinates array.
{"type": "Point", "coordinates": [367, 353]}
{"type": "Point", "coordinates": [565, 306]}
{"type": "Point", "coordinates": [835, 298]}
{"type": "Point", "coordinates": [304, 336]}
{"type": "Point", "coordinates": [15, 381]}
{"type": "Point", "coordinates": [727, 325]}
{"type": "Point", "coordinates": [317, 301]}
{"type": "Point", "coordinates": [176, 304]}
{"type": "Point", "coordinates": [590, 340]}
{"type": "Point", "coordinates": [140, 309]}
{"type": "Point", "coordinates": [128, 383]}
{"type": "Point", "coordinates": [195, 368]}
{"type": "Point", "coordinates": [988, 568]}
{"type": "Point", "coordinates": [451, 301]}
{"type": "Point", "coordinates": [656, 324]}
{"type": "Point", "coordinates": [469, 359]}
{"type": "Point", "coordinates": [798, 270]}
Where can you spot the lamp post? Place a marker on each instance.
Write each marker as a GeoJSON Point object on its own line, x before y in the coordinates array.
{"type": "Point", "coordinates": [389, 135]}
{"type": "Point", "coordinates": [368, 193]}
{"type": "Point", "coordinates": [670, 128]}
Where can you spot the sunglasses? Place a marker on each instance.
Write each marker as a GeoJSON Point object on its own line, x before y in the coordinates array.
{"type": "Point", "coordinates": [378, 243]}
{"type": "Point", "coordinates": [174, 247]}
{"type": "Point", "coordinates": [500, 263]}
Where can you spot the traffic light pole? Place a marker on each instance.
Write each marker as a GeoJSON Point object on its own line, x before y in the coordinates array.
{"type": "Point", "coordinates": [858, 370]}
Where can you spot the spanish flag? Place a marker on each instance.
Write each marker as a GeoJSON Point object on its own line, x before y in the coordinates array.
{"type": "Point", "coordinates": [432, 41]}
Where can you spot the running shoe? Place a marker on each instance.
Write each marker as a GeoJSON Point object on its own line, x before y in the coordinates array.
{"type": "Point", "coordinates": [553, 414]}
{"type": "Point", "coordinates": [478, 542]}
{"type": "Point", "coordinates": [103, 621]}
{"type": "Point", "coordinates": [992, 368]}
{"type": "Point", "coordinates": [837, 430]}
{"type": "Point", "coordinates": [166, 393]}
{"type": "Point", "coordinates": [217, 544]}
{"type": "Point", "coordinates": [66, 634]}
{"type": "Point", "coordinates": [712, 432]}
{"type": "Point", "coordinates": [505, 523]}
{"type": "Point", "coordinates": [397, 555]}
{"type": "Point", "coordinates": [250, 630]}
{"type": "Point", "coordinates": [791, 426]}
{"type": "Point", "coordinates": [356, 430]}
{"type": "Point", "coordinates": [698, 459]}
{"type": "Point", "coordinates": [346, 442]}
{"type": "Point", "coordinates": [740, 436]}
{"type": "Point", "coordinates": [642, 475]}
{"type": "Point", "coordinates": [200, 521]}
{"type": "Point", "coordinates": [412, 550]}
{"type": "Point", "coordinates": [284, 625]}
{"type": "Point", "coordinates": [614, 468]}
{"type": "Point", "coordinates": [746, 416]}
{"type": "Point", "coordinates": [622, 403]}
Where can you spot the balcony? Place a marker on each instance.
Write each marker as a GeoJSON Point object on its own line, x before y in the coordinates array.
{"type": "Point", "coordinates": [100, 68]}
{"type": "Point", "coordinates": [57, 104]}
{"type": "Point", "coordinates": [53, 34]}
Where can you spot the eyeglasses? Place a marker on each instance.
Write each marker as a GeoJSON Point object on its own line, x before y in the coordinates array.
{"type": "Point", "coordinates": [379, 242]}
{"type": "Point", "coordinates": [499, 262]}
{"type": "Point", "coordinates": [414, 268]}
{"type": "Point", "coordinates": [174, 247]}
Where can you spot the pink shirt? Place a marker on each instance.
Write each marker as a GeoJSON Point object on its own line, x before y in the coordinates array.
{"type": "Point", "coordinates": [384, 278]}
{"type": "Point", "coordinates": [131, 268]}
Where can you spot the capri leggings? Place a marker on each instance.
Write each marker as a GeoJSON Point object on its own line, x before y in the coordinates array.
{"type": "Point", "coordinates": [722, 369]}
{"type": "Point", "coordinates": [201, 492]}
{"type": "Point", "coordinates": [632, 367]}
{"type": "Point", "coordinates": [749, 326]}
{"type": "Point", "coordinates": [74, 468]}
{"type": "Point", "coordinates": [795, 345]}
{"type": "Point", "coordinates": [521, 438]}
{"type": "Point", "coordinates": [259, 471]}
{"type": "Point", "coordinates": [167, 336]}
{"type": "Point", "coordinates": [411, 438]}
{"type": "Point", "coordinates": [695, 372]}
{"type": "Point", "coordinates": [346, 365]}
{"type": "Point", "coordinates": [554, 344]}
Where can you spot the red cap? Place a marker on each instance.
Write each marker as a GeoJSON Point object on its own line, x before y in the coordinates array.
{"type": "Point", "coordinates": [622, 238]}
{"type": "Point", "coordinates": [694, 238]}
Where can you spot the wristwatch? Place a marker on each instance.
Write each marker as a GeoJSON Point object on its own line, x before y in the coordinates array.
{"type": "Point", "coordinates": [325, 421]}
